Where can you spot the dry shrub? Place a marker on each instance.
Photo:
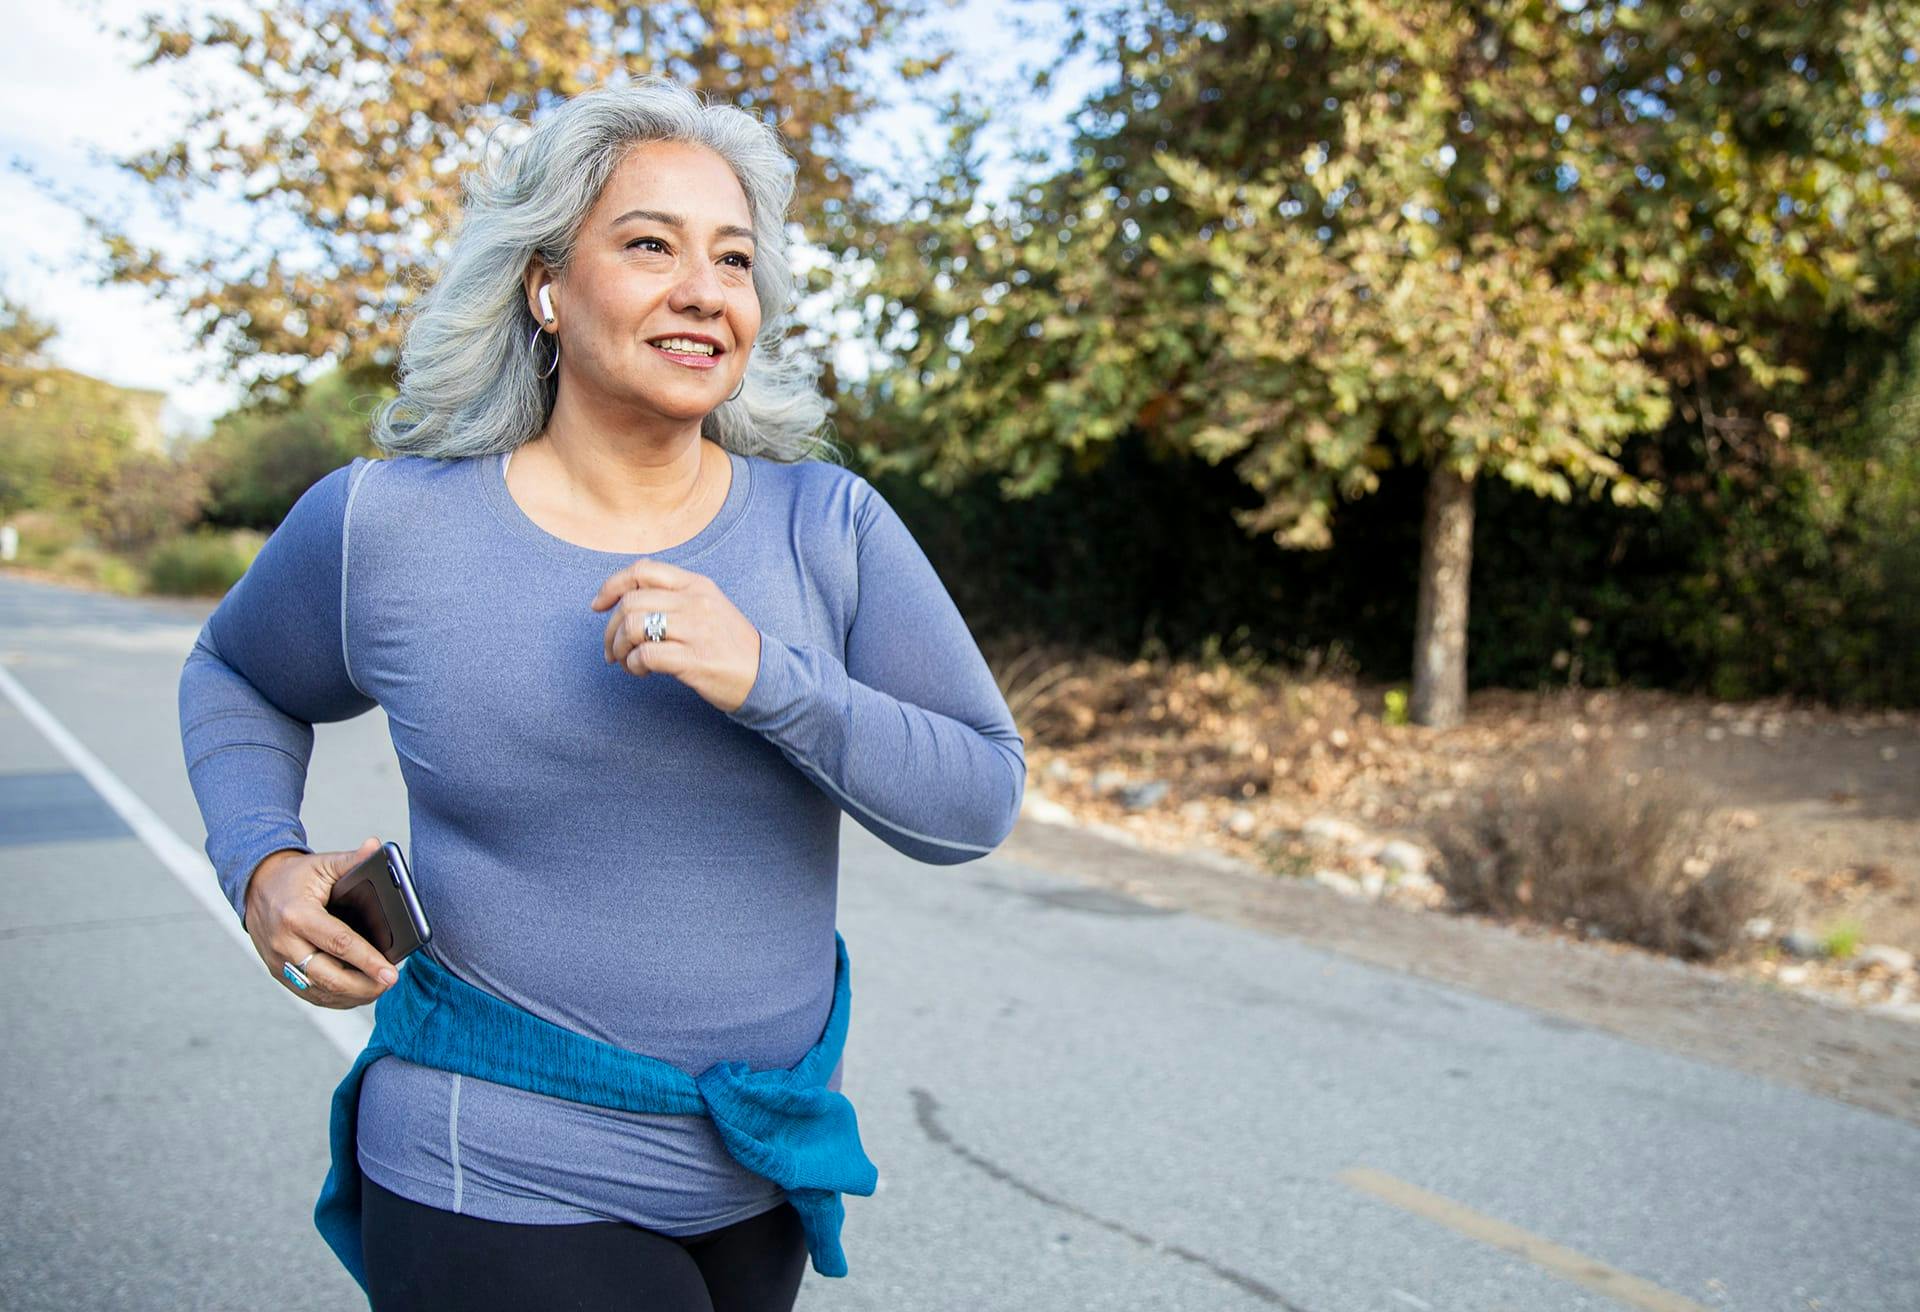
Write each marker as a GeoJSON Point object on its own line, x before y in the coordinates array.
{"type": "Point", "coordinates": [100, 568]}
{"type": "Point", "coordinates": [148, 499]}
{"type": "Point", "coordinates": [45, 535]}
{"type": "Point", "coordinates": [1043, 686]}
{"type": "Point", "coordinates": [1633, 860]}
{"type": "Point", "coordinates": [1215, 724]}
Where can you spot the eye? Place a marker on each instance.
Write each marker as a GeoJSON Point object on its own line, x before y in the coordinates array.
{"type": "Point", "coordinates": [746, 261]}
{"type": "Point", "coordinates": [637, 240]}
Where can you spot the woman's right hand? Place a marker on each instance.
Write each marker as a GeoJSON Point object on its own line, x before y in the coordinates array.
{"type": "Point", "coordinates": [287, 918]}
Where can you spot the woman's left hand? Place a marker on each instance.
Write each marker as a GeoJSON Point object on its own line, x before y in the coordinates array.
{"type": "Point", "coordinates": [709, 645]}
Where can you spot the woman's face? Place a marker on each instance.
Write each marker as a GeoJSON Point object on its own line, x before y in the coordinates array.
{"type": "Point", "coordinates": [666, 252]}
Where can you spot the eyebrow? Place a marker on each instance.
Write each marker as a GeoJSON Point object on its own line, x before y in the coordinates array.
{"type": "Point", "coordinates": [675, 221]}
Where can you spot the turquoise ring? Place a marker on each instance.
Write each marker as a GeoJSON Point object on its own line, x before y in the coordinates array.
{"type": "Point", "coordinates": [292, 972]}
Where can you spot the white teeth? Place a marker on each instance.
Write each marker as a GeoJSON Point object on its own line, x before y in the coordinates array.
{"type": "Point", "coordinates": [685, 346]}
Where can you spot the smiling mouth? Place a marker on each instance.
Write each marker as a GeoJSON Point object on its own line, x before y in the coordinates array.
{"type": "Point", "coordinates": [692, 360]}
{"type": "Point", "coordinates": [686, 346]}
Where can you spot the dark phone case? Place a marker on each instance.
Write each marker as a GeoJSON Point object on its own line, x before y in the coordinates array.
{"type": "Point", "coordinates": [378, 900]}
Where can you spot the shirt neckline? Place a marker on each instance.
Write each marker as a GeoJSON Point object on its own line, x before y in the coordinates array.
{"type": "Point", "coordinates": [492, 470]}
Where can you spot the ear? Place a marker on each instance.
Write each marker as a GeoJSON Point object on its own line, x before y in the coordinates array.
{"type": "Point", "coordinates": [539, 283]}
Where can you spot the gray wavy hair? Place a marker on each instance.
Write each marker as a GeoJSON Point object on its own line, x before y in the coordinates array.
{"type": "Point", "coordinates": [469, 379]}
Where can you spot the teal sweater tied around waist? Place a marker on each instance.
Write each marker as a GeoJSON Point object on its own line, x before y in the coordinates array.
{"type": "Point", "coordinates": [783, 1124]}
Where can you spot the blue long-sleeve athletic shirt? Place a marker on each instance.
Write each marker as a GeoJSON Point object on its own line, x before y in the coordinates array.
{"type": "Point", "coordinates": [612, 853]}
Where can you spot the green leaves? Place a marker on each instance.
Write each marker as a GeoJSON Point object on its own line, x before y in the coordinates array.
{"type": "Point", "coordinates": [1327, 235]}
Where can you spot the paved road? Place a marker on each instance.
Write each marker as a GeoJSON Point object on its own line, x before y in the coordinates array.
{"type": "Point", "coordinates": [1076, 1102]}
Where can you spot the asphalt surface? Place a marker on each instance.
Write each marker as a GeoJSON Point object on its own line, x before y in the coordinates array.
{"type": "Point", "coordinates": [1076, 1101]}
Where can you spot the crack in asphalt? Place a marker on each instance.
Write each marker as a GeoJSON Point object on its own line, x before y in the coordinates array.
{"type": "Point", "coordinates": [926, 1109]}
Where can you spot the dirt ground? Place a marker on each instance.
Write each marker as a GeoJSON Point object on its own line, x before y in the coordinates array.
{"type": "Point", "coordinates": [1237, 761]}
{"type": "Point", "coordinates": [1830, 800]}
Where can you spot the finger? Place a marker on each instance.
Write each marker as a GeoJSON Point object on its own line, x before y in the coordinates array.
{"type": "Point", "coordinates": [611, 649]}
{"type": "Point", "coordinates": [339, 940]}
{"type": "Point", "coordinates": [657, 658]}
{"type": "Point", "coordinates": [641, 654]}
{"type": "Point", "coordinates": [291, 973]}
{"type": "Point", "coordinates": [628, 623]}
{"type": "Point", "coordinates": [338, 863]}
{"type": "Point", "coordinates": [335, 985]}
{"type": "Point", "coordinates": [333, 866]}
{"type": "Point", "coordinates": [641, 574]}
{"type": "Point", "coordinates": [315, 982]}
{"type": "Point", "coordinates": [310, 980]}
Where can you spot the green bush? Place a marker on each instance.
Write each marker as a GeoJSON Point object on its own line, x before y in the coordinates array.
{"type": "Point", "coordinates": [201, 564]}
{"type": "Point", "coordinates": [1843, 939]}
{"type": "Point", "coordinates": [258, 460]}
{"type": "Point", "coordinates": [91, 564]}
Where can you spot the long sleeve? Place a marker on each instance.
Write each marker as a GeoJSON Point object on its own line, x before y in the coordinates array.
{"type": "Point", "coordinates": [911, 736]}
{"type": "Point", "coordinates": [269, 664]}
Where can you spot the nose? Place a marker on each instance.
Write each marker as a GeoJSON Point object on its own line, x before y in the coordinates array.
{"type": "Point", "coordinates": [699, 289]}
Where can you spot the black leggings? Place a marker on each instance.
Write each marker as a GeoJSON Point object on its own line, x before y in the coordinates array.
{"type": "Point", "coordinates": [424, 1259]}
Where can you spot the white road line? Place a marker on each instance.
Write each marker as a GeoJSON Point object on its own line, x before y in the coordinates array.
{"type": "Point", "coordinates": [346, 1030]}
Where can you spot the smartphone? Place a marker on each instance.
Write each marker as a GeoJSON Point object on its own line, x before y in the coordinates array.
{"type": "Point", "coordinates": [378, 900]}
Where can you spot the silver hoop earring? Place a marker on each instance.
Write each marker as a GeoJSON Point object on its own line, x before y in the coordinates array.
{"type": "Point", "coordinates": [556, 352]}
{"type": "Point", "coordinates": [739, 389]}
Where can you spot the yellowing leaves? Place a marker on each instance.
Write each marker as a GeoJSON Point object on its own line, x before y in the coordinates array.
{"type": "Point", "coordinates": [393, 102]}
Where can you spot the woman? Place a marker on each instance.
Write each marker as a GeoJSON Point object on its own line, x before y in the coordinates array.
{"type": "Point", "coordinates": [638, 648]}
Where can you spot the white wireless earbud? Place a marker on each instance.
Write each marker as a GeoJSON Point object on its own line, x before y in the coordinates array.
{"type": "Point", "coordinates": [546, 303]}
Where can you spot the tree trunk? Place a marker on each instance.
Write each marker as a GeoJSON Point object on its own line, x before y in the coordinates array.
{"type": "Point", "coordinates": [1440, 618]}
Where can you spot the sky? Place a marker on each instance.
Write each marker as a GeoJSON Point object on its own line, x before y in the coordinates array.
{"type": "Point", "coordinates": [70, 101]}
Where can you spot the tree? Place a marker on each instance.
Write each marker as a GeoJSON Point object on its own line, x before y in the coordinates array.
{"type": "Point", "coordinates": [1324, 237]}
{"type": "Point", "coordinates": [23, 337]}
{"type": "Point", "coordinates": [356, 122]}
{"type": "Point", "coordinates": [259, 459]}
{"type": "Point", "coordinates": [63, 435]}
